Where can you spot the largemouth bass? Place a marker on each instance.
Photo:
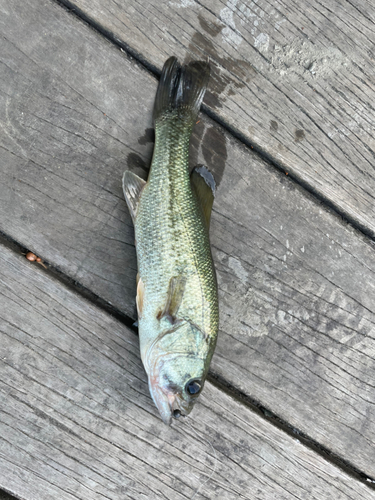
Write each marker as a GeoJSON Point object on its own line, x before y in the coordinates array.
{"type": "Point", "coordinates": [177, 299]}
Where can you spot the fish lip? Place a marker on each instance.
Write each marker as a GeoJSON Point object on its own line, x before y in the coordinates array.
{"type": "Point", "coordinates": [161, 401]}
{"type": "Point", "coordinates": [167, 419]}
{"type": "Point", "coordinates": [167, 404]}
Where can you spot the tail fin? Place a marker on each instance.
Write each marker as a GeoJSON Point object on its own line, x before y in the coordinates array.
{"type": "Point", "coordinates": [181, 88]}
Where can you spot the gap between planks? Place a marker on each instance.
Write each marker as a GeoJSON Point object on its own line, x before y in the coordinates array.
{"type": "Point", "coordinates": [137, 56]}
{"type": "Point", "coordinates": [215, 379]}
{"type": "Point", "coordinates": [5, 496]}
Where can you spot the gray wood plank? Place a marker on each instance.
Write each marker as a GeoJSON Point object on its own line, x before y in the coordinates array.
{"type": "Point", "coordinates": [77, 421]}
{"type": "Point", "coordinates": [294, 78]}
{"type": "Point", "coordinates": [297, 286]}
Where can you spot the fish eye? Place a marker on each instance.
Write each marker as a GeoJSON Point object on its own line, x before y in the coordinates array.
{"type": "Point", "coordinates": [177, 414]}
{"type": "Point", "coordinates": [193, 387]}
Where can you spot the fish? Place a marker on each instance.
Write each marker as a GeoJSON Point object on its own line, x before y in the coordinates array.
{"type": "Point", "coordinates": [177, 297]}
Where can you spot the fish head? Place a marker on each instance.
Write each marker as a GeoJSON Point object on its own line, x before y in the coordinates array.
{"type": "Point", "coordinates": [175, 383]}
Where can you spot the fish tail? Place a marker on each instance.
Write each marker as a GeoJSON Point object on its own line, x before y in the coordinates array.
{"type": "Point", "coordinates": [181, 89]}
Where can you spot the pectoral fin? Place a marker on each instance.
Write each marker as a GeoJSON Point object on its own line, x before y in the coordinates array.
{"type": "Point", "coordinates": [203, 184]}
{"type": "Point", "coordinates": [132, 186]}
{"type": "Point", "coordinates": [174, 298]}
{"type": "Point", "coordinates": [140, 295]}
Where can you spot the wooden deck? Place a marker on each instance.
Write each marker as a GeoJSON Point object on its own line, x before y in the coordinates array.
{"type": "Point", "coordinates": [289, 409]}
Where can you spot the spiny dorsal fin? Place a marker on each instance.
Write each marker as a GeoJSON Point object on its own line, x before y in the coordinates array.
{"type": "Point", "coordinates": [204, 186]}
{"type": "Point", "coordinates": [175, 293]}
{"type": "Point", "coordinates": [132, 186]}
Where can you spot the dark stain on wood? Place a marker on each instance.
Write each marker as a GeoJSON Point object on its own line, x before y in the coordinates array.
{"type": "Point", "coordinates": [147, 137]}
{"type": "Point", "coordinates": [212, 142]}
{"type": "Point", "coordinates": [212, 100]}
{"type": "Point", "coordinates": [214, 150]}
{"type": "Point", "coordinates": [213, 29]}
{"type": "Point", "coordinates": [135, 161]}
{"type": "Point", "coordinates": [274, 126]}
{"type": "Point", "coordinates": [299, 135]}
{"type": "Point", "coordinates": [195, 142]}
{"type": "Point", "coordinates": [227, 74]}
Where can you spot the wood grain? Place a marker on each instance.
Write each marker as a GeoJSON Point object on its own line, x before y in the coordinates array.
{"type": "Point", "coordinates": [76, 419]}
{"type": "Point", "coordinates": [293, 78]}
{"type": "Point", "coordinates": [297, 285]}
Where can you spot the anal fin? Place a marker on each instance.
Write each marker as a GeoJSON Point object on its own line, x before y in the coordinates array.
{"type": "Point", "coordinates": [132, 186]}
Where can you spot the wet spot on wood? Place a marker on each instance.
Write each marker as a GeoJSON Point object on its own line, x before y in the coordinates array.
{"type": "Point", "coordinates": [214, 150]}
{"type": "Point", "coordinates": [148, 136]}
{"type": "Point", "coordinates": [299, 135]}
{"type": "Point", "coordinates": [227, 74]}
{"type": "Point", "coordinates": [135, 162]}
{"type": "Point", "coordinates": [212, 100]}
{"type": "Point", "coordinates": [213, 29]}
{"type": "Point", "coordinates": [274, 126]}
{"type": "Point", "coordinates": [195, 142]}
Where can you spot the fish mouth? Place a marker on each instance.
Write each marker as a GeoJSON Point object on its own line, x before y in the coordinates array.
{"type": "Point", "coordinates": [170, 404]}
{"type": "Point", "coordinates": [163, 402]}
{"type": "Point", "coordinates": [166, 395]}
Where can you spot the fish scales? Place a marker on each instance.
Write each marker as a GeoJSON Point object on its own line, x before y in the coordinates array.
{"type": "Point", "coordinates": [177, 290]}
{"type": "Point", "coordinates": [176, 242]}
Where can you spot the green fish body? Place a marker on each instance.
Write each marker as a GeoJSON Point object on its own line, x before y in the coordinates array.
{"type": "Point", "coordinates": [177, 299]}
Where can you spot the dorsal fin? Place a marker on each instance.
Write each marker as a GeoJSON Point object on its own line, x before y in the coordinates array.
{"type": "Point", "coordinates": [174, 298]}
{"type": "Point", "coordinates": [132, 186]}
{"type": "Point", "coordinates": [204, 186]}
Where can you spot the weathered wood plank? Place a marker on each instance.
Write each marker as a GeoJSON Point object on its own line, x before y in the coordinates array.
{"type": "Point", "coordinates": [297, 286]}
{"type": "Point", "coordinates": [76, 419]}
{"type": "Point", "coordinates": [295, 78]}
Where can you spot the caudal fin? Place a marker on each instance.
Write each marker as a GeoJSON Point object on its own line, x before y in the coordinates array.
{"type": "Point", "coordinates": [181, 88]}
